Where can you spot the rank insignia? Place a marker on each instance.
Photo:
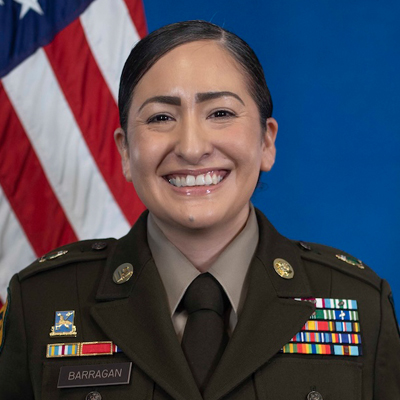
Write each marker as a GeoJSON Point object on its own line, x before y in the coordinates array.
{"type": "Point", "coordinates": [351, 260]}
{"type": "Point", "coordinates": [64, 324]}
{"type": "Point", "coordinates": [52, 256]}
{"type": "Point", "coordinates": [333, 329]}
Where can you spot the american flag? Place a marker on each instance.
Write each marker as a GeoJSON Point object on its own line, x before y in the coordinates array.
{"type": "Point", "coordinates": [60, 173]}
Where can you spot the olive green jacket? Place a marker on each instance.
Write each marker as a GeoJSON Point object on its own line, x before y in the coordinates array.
{"type": "Point", "coordinates": [135, 316]}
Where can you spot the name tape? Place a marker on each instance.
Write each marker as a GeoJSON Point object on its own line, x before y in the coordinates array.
{"type": "Point", "coordinates": [94, 375]}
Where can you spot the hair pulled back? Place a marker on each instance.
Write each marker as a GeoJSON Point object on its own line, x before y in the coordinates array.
{"type": "Point", "coordinates": [152, 47]}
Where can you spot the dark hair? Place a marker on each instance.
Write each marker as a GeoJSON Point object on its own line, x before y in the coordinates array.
{"type": "Point", "coordinates": [151, 48]}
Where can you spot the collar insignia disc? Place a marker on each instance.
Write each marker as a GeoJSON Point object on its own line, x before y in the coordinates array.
{"type": "Point", "coordinates": [283, 268]}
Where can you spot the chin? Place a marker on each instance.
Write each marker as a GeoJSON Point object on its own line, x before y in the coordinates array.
{"type": "Point", "coordinates": [193, 219]}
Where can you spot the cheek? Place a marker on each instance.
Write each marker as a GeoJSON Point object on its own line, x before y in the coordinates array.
{"type": "Point", "coordinates": [140, 150]}
{"type": "Point", "coordinates": [245, 147]}
{"type": "Point", "coordinates": [147, 153]}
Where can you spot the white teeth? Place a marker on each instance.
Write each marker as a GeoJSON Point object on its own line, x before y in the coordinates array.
{"type": "Point", "coordinates": [199, 180]}
{"type": "Point", "coordinates": [190, 180]}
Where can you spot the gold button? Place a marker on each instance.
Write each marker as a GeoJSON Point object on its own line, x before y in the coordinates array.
{"type": "Point", "coordinates": [283, 268]}
{"type": "Point", "coordinates": [123, 273]}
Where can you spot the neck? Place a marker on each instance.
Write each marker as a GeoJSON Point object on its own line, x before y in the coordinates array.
{"type": "Point", "coordinates": [202, 246]}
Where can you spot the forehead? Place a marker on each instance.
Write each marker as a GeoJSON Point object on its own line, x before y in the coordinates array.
{"type": "Point", "coordinates": [194, 67]}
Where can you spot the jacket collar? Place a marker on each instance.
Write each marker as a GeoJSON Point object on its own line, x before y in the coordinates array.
{"type": "Point", "coordinates": [132, 248]}
{"type": "Point", "coordinates": [135, 315]}
{"type": "Point", "coordinates": [270, 317]}
{"type": "Point", "coordinates": [273, 245]}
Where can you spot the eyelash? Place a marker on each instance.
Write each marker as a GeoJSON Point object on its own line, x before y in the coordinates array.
{"type": "Point", "coordinates": [218, 114]}
{"type": "Point", "coordinates": [227, 114]}
{"type": "Point", "coordinates": [159, 118]}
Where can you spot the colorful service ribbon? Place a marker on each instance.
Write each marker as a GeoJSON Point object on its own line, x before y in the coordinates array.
{"type": "Point", "coordinates": [333, 329]}
{"type": "Point", "coordinates": [81, 349]}
{"type": "Point", "coordinates": [326, 349]}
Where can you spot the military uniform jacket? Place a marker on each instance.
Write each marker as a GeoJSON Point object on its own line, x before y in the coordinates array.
{"type": "Point", "coordinates": [135, 316]}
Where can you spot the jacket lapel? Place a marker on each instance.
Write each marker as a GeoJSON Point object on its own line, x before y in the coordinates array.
{"type": "Point", "coordinates": [136, 317]}
{"type": "Point", "coordinates": [270, 317]}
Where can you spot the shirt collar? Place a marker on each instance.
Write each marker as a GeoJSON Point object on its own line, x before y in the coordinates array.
{"type": "Point", "coordinates": [230, 268]}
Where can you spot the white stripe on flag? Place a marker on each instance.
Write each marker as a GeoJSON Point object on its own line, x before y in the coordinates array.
{"type": "Point", "coordinates": [62, 151]}
{"type": "Point", "coordinates": [15, 250]}
{"type": "Point", "coordinates": [111, 35]}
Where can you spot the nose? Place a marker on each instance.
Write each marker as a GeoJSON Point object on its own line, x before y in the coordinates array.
{"type": "Point", "coordinates": [193, 142]}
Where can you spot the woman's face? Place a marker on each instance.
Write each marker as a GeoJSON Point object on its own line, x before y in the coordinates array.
{"type": "Point", "coordinates": [195, 144]}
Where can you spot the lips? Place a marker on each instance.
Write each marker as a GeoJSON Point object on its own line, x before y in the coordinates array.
{"type": "Point", "coordinates": [196, 179]}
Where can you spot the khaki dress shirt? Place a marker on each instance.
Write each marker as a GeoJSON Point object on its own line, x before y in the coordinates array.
{"type": "Point", "coordinates": [230, 269]}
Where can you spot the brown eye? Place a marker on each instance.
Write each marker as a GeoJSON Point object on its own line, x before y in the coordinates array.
{"type": "Point", "coordinates": [222, 114]}
{"type": "Point", "coordinates": [159, 118]}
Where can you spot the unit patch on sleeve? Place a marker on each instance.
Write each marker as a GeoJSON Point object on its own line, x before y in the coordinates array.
{"type": "Point", "coordinates": [3, 316]}
{"type": "Point", "coordinates": [333, 329]}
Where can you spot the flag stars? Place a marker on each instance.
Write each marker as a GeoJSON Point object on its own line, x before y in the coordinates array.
{"type": "Point", "coordinates": [29, 5]}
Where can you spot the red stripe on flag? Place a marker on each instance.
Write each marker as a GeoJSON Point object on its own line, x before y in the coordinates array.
{"type": "Point", "coordinates": [26, 187]}
{"type": "Point", "coordinates": [94, 109]}
{"type": "Point", "coordinates": [136, 12]}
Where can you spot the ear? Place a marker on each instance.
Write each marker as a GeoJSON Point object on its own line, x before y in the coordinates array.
{"type": "Point", "coordinates": [123, 149]}
{"type": "Point", "coordinates": [268, 145]}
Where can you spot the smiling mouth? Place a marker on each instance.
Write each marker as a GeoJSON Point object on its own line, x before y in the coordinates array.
{"type": "Point", "coordinates": [208, 179]}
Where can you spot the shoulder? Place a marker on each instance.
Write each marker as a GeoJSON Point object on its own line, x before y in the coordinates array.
{"type": "Point", "coordinates": [78, 252]}
{"type": "Point", "coordinates": [319, 260]}
{"type": "Point", "coordinates": [338, 260]}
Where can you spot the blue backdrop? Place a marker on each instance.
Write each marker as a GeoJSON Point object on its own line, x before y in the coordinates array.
{"type": "Point", "coordinates": [333, 71]}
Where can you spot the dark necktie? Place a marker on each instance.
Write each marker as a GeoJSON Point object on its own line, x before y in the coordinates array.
{"type": "Point", "coordinates": [205, 336]}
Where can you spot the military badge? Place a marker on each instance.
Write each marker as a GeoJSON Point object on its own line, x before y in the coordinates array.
{"type": "Point", "coordinates": [64, 324]}
{"type": "Point", "coordinates": [283, 268]}
{"type": "Point", "coordinates": [123, 273]}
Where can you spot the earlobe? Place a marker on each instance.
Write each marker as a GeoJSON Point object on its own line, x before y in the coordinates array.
{"type": "Point", "coordinates": [269, 149]}
{"type": "Point", "coordinates": [123, 149]}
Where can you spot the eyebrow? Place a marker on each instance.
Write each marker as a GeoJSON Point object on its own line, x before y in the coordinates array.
{"type": "Point", "coordinates": [200, 97]}
{"type": "Point", "coordinates": [173, 100]}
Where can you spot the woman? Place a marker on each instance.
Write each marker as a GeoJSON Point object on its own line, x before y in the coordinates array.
{"type": "Point", "coordinates": [294, 321]}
